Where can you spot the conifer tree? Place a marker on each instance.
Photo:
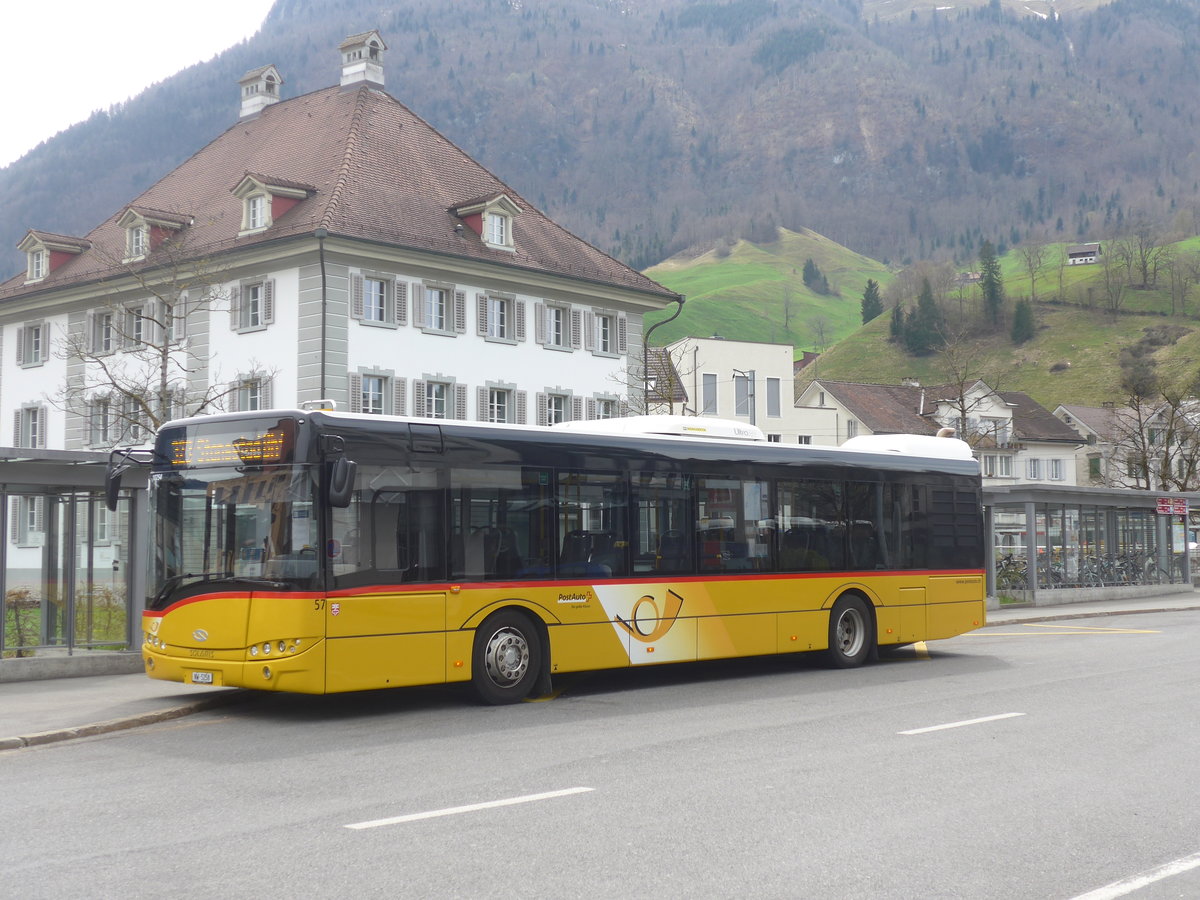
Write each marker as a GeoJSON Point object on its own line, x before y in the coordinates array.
{"type": "Point", "coordinates": [922, 330]}
{"type": "Point", "coordinates": [872, 303]}
{"type": "Point", "coordinates": [1022, 326]}
{"type": "Point", "coordinates": [993, 287]}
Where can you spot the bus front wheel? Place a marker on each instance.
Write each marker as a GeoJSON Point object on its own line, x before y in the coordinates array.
{"type": "Point", "coordinates": [507, 658]}
{"type": "Point", "coordinates": [850, 632]}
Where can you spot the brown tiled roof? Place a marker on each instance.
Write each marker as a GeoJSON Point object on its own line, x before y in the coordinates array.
{"type": "Point", "coordinates": [1033, 422]}
{"type": "Point", "coordinates": [379, 172]}
{"type": "Point", "coordinates": [886, 408]}
{"type": "Point", "coordinates": [668, 385]}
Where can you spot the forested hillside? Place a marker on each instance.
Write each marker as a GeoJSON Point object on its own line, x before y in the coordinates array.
{"type": "Point", "coordinates": [897, 130]}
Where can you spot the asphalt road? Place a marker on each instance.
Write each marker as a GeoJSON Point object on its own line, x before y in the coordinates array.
{"type": "Point", "coordinates": [1070, 767]}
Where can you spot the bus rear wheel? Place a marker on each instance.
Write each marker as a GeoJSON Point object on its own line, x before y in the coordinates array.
{"type": "Point", "coordinates": [850, 633]}
{"type": "Point", "coordinates": [506, 659]}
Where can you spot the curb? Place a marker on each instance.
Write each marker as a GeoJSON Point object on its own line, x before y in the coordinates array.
{"type": "Point", "coordinates": [42, 738]}
{"type": "Point", "coordinates": [1053, 617]}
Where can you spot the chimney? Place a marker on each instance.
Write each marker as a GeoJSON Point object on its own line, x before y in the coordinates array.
{"type": "Point", "coordinates": [362, 59]}
{"type": "Point", "coordinates": [260, 88]}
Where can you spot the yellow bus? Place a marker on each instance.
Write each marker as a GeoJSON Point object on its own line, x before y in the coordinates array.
{"type": "Point", "coordinates": [316, 551]}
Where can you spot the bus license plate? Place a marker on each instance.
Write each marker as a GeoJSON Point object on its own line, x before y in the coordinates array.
{"type": "Point", "coordinates": [202, 678]}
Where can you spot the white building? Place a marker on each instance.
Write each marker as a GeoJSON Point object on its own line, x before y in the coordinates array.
{"type": "Point", "coordinates": [1016, 440]}
{"type": "Point", "coordinates": [745, 381]}
{"type": "Point", "coordinates": [329, 245]}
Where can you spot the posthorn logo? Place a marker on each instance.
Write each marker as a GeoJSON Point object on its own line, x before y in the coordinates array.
{"type": "Point", "coordinates": [200, 634]}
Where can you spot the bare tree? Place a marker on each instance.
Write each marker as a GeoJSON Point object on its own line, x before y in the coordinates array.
{"type": "Point", "coordinates": [970, 387]}
{"type": "Point", "coordinates": [1114, 272]}
{"type": "Point", "coordinates": [657, 385]}
{"type": "Point", "coordinates": [132, 351]}
{"type": "Point", "coordinates": [1033, 254]}
{"type": "Point", "coordinates": [1183, 272]}
{"type": "Point", "coordinates": [820, 329]}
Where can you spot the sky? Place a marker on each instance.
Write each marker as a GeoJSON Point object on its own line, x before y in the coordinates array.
{"type": "Point", "coordinates": [120, 46]}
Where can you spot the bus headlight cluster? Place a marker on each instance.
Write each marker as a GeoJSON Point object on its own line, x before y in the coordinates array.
{"type": "Point", "coordinates": [155, 641]}
{"type": "Point", "coordinates": [275, 648]}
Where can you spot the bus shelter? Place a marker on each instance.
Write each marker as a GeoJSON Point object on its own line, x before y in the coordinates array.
{"type": "Point", "coordinates": [69, 568]}
{"type": "Point", "coordinates": [1087, 543]}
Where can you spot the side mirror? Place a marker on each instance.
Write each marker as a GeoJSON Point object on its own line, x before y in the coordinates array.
{"type": "Point", "coordinates": [112, 486]}
{"type": "Point", "coordinates": [341, 482]}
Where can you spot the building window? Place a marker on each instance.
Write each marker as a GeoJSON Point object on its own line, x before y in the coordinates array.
{"type": "Point", "coordinates": [253, 306]}
{"type": "Point", "coordinates": [497, 230]}
{"type": "Point", "coordinates": [437, 400]}
{"type": "Point", "coordinates": [556, 409]}
{"type": "Point", "coordinates": [1055, 467]}
{"type": "Point", "coordinates": [38, 264]}
{"type": "Point", "coordinates": [29, 427]}
{"type": "Point", "coordinates": [804, 439]}
{"type": "Point", "coordinates": [1094, 468]}
{"type": "Point", "coordinates": [373, 391]}
{"type": "Point", "coordinates": [709, 394]}
{"type": "Point", "coordinates": [137, 326]}
{"type": "Point", "coordinates": [851, 428]}
{"type": "Point", "coordinates": [27, 520]}
{"type": "Point", "coordinates": [102, 423]}
{"type": "Point", "coordinates": [375, 300]}
{"type": "Point", "coordinates": [774, 438]}
{"type": "Point", "coordinates": [251, 392]}
{"type": "Point", "coordinates": [31, 344]}
{"type": "Point", "coordinates": [556, 326]}
{"type": "Point", "coordinates": [435, 308]}
{"type": "Point", "coordinates": [1033, 469]}
{"type": "Point", "coordinates": [773, 398]}
{"type": "Point", "coordinates": [135, 242]}
{"type": "Point", "coordinates": [102, 333]}
{"type": "Point", "coordinates": [256, 212]}
{"type": "Point", "coordinates": [606, 409]}
{"type": "Point", "coordinates": [604, 334]}
{"type": "Point", "coordinates": [498, 403]}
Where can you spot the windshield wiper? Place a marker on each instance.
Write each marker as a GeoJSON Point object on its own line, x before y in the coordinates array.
{"type": "Point", "coordinates": [176, 581]}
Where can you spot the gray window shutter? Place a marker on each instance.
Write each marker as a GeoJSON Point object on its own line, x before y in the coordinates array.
{"type": "Point", "coordinates": [522, 402]}
{"type": "Point", "coordinates": [265, 394]}
{"type": "Point", "coordinates": [419, 398]}
{"type": "Point", "coordinates": [235, 307]}
{"type": "Point", "coordinates": [356, 296]}
{"type": "Point", "coordinates": [39, 513]}
{"type": "Point", "coordinates": [460, 401]}
{"type": "Point", "coordinates": [481, 404]}
{"type": "Point", "coordinates": [355, 389]}
{"type": "Point", "coordinates": [623, 408]}
{"type": "Point", "coordinates": [519, 307]}
{"type": "Point", "coordinates": [539, 324]}
{"type": "Point", "coordinates": [460, 312]}
{"type": "Point", "coordinates": [401, 290]}
{"type": "Point", "coordinates": [399, 396]}
{"type": "Point", "coordinates": [481, 315]}
{"type": "Point", "coordinates": [14, 517]}
{"type": "Point", "coordinates": [18, 419]}
{"type": "Point", "coordinates": [622, 334]}
{"type": "Point", "coordinates": [20, 352]}
{"type": "Point", "coordinates": [268, 301]}
{"type": "Point", "coordinates": [576, 329]}
{"type": "Point", "coordinates": [542, 404]}
{"type": "Point", "coordinates": [235, 395]}
{"type": "Point", "coordinates": [181, 313]}
{"type": "Point", "coordinates": [576, 409]}
{"type": "Point", "coordinates": [418, 305]}
{"type": "Point", "coordinates": [589, 331]}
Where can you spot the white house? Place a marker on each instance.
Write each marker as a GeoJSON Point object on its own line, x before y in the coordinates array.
{"type": "Point", "coordinates": [1015, 439]}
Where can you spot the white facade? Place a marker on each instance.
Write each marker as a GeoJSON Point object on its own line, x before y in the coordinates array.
{"type": "Point", "coordinates": [744, 381]}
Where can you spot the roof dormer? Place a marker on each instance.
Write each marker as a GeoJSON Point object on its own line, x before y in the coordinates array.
{"type": "Point", "coordinates": [146, 229]}
{"type": "Point", "coordinates": [45, 252]}
{"type": "Point", "coordinates": [362, 59]}
{"type": "Point", "coordinates": [259, 89]}
{"type": "Point", "coordinates": [265, 199]}
{"type": "Point", "coordinates": [491, 218]}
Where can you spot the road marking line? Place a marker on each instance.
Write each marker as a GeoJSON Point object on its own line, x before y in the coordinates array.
{"type": "Point", "coordinates": [474, 807]}
{"type": "Point", "coordinates": [1139, 881]}
{"type": "Point", "coordinates": [961, 724]}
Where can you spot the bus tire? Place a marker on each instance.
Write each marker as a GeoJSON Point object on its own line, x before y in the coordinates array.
{"type": "Point", "coordinates": [507, 658]}
{"type": "Point", "coordinates": [851, 634]}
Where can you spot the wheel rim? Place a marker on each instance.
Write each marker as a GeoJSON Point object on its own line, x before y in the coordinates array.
{"type": "Point", "coordinates": [506, 657]}
{"type": "Point", "coordinates": [850, 632]}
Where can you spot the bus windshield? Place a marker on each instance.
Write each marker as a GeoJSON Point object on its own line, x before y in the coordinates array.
{"type": "Point", "coordinates": [242, 524]}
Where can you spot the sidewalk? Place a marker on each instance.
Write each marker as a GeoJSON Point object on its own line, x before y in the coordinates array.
{"type": "Point", "coordinates": [59, 709]}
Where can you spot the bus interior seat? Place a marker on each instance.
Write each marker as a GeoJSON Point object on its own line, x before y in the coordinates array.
{"type": "Point", "coordinates": [672, 551]}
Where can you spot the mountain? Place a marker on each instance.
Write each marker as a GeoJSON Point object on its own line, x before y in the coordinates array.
{"type": "Point", "coordinates": [898, 129]}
